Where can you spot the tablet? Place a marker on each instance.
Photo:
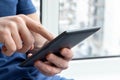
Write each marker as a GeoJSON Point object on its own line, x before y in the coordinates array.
{"type": "Point", "coordinates": [67, 39]}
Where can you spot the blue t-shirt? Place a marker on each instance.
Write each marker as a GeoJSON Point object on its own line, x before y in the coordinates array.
{"type": "Point", "coordinates": [9, 69]}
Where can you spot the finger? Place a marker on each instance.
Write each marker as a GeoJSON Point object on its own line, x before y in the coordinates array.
{"type": "Point", "coordinates": [27, 38]}
{"type": "Point", "coordinates": [37, 27]}
{"type": "Point", "coordinates": [16, 36]}
{"type": "Point", "coordinates": [57, 61]}
{"type": "Point", "coordinates": [47, 69]}
{"type": "Point", "coordinates": [32, 47]}
{"type": "Point", "coordinates": [9, 45]}
{"type": "Point", "coordinates": [67, 53]}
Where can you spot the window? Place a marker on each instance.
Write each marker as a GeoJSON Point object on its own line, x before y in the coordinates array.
{"type": "Point", "coordinates": [74, 14]}
{"type": "Point", "coordinates": [60, 15]}
{"type": "Point", "coordinates": [77, 14]}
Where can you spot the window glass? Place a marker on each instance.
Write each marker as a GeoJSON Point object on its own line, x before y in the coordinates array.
{"type": "Point", "coordinates": [78, 14]}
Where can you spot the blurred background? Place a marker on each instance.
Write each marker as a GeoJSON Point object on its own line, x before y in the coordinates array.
{"type": "Point", "coordinates": [79, 14]}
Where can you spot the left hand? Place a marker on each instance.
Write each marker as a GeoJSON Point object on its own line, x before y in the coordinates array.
{"type": "Point", "coordinates": [55, 64]}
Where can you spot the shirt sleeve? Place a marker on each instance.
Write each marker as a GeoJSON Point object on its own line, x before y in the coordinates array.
{"type": "Point", "coordinates": [25, 7]}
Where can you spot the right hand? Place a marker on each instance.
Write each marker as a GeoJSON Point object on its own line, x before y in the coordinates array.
{"type": "Point", "coordinates": [15, 33]}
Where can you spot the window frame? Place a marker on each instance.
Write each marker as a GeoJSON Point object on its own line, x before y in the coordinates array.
{"type": "Point", "coordinates": [49, 11]}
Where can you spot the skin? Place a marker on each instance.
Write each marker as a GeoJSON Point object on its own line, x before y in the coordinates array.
{"type": "Point", "coordinates": [26, 33]}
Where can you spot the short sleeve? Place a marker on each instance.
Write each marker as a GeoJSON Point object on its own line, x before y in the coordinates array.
{"type": "Point", "coordinates": [25, 7]}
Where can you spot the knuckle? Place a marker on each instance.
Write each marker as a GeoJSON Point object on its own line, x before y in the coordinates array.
{"type": "Point", "coordinates": [52, 72]}
{"type": "Point", "coordinates": [55, 71]}
{"type": "Point", "coordinates": [18, 19]}
{"type": "Point", "coordinates": [4, 32]}
{"type": "Point", "coordinates": [13, 49]}
{"type": "Point", "coordinates": [30, 41]}
{"type": "Point", "coordinates": [48, 69]}
{"type": "Point", "coordinates": [19, 46]}
{"type": "Point", "coordinates": [11, 24]}
{"type": "Point", "coordinates": [50, 57]}
{"type": "Point", "coordinates": [21, 15]}
{"type": "Point", "coordinates": [68, 55]}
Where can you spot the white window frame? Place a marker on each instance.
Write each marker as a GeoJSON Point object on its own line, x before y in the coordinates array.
{"type": "Point", "coordinates": [50, 13]}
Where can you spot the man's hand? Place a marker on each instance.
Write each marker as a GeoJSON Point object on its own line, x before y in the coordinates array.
{"type": "Point", "coordinates": [15, 33]}
{"type": "Point", "coordinates": [55, 64]}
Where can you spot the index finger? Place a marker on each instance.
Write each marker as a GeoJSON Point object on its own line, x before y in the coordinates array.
{"type": "Point", "coordinates": [37, 27]}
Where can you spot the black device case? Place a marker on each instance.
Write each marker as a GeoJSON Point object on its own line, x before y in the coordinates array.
{"type": "Point", "coordinates": [67, 39]}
